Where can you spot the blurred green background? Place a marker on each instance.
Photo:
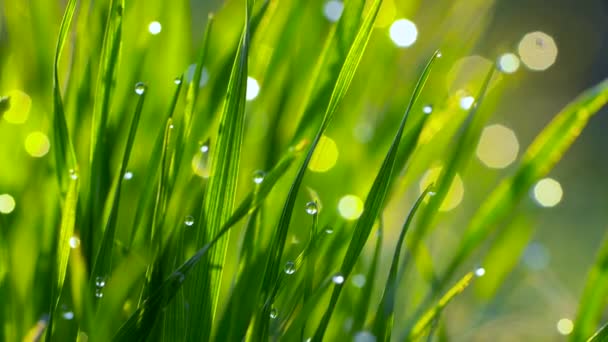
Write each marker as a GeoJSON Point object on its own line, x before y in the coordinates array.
{"type": "Point", "coordinates": [560, 241]}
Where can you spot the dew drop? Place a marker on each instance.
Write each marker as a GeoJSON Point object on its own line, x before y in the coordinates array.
{"type": "Point", "coordinates": [74, 242]}
{"type": "Point", "coordinates": [98, 293]}
{"type": "Point", "coordinates": [140, 88]}
{"type": "Point", "coordinates": [312, 208]}
{"type": "Point", "coordinates": [67, 315]}
{"type": "Point", "coordinates": [290, 267]}
{"type": "Point", "coordinates": [182, 277]}
{"type": "Point", "coordinates": [338, 279]}
{"type": "Point", "coordinates": [205, 148]}
{"type": "Point", "coordinates": [73, 174]}
{"type": "Point", "coordinates": [100, 281]}
{"type": "Point", "coordinates": [189, 221]}
{"type": "Point", "coordinates": [273, 313]}
{"type": "Point", "coordinates": [177, 80]}
{"type": "Point", "coordinates": [128, 175]}
{"type": "Point", "coordinates": [329, 230]}
{"type": "Point", "coordinates": [258, 176]}
{"type": "Point", "coordinates": [480, 272]}
{"type": "Point", "coordinates": [428, 109]}
{"type": "Point", "coordinates": [439, 54]}
{"type": "Point", "coordinates": [364, 336]}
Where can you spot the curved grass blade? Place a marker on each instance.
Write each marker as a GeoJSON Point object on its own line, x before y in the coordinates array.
{"type": "Point", "coordinates": [464, 148]}
{"type": "Point", "coordinates": [103, 261]}
{"type": "Point", "coordinates": [220, 192]}
{"type": "Point", "coordinates": [141, 322]}
{"type": "Point", "coordinates": [383, 323]}
{"type": "Point", "coordinates": [425, 322]}
{"type": "Point", "coordinates": [373, 203]}
{"type": "Point", "coordinates": [592, 302]}
{"type": "Point", "coordinates": [99, 178]}
{"type": "Point", "coordinates": [343, 82]}
{"type": "Point", "coordinates": [309, 267]}
{"type": "Point", "coordinates": [544, 152]}
{"type": "Point", "coordinates": [600, 336]}
{"type": "Point", "coordinates": [65, 157]}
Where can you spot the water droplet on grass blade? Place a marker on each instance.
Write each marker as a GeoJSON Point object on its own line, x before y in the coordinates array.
{"type": "Point", "coordinates": [312, 208]}
{"type": "Point", "coordinates": [128, 175]}
{"type": "Point", "coordinates": [100, 281]}
{"type": "Point", "coordinates": [428, 109]}
{"type": "Point", "coordinates": [338, 279]}
{"type": "Point", "coordinates": [98, 293]}
{"type": "Point", "coordinates": [67, 315]}
{"type": "Point", "coordinates": [273, 313]}
{"type": "Point", "coordinates": [189, 221]}
{"type": "Point", "coordinates": [290, 267]}
{"type": "Point", "coordinates": [177, 80]}
{"type": "Point", "coordinates": [140, 88]}
{"type": "Point", "coordinates": [73, 174]}
{"type": "Point", "coordinates": [258, 176]}
{"type": "Point", "coordinates": [480, 272]}
{"type": "Point", "coordinates": [364, 336]}
{"type": "Point", "coordinates": [329, 230]}
{"type": "Point", "coordinates": [74, 242]}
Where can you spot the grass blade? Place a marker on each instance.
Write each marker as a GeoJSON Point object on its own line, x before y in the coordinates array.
{"type": "Point", "coordinates": [103, 261]}
{"type": "Point", "coordinates": [220, 192]}
{"type": "Point", "coordinates": [433, 314]}
{"type": "Point", "coordinates": [343, 82]}
{"type": "Point", "coordinates": [600, 336]}
{"type": "Point", "coordinates": [592, 302]}
{"type": "Point", "coordinates": [373, 203]}
{"type": "Point", "coordinates": [544, 152]}
{"type": "Point", "coordinates": [98, 183]}
{"type": "Point", "coordinates": [383, 323]}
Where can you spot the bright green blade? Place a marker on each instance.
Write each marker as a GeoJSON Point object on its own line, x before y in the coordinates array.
{"type": "Point", "coordinates": [383, 323]}
{"type": "Point", "coordinates": [425, 322]}
{"type": "Point", "coordinates": [103, 261]}
{"type": "Point", "coordinates": [347, 73]}
{"type": "Point", "coordinates": [374, 202]}
{"type": "Point", "coordinates": [99, 179]}
{"type": "Point", "coordinates": [220, 193]}
{"type": "Point", "coordinates": [542, 155]}
{"type": "Point", "coordinates": [600, 336]}
{"type": "Point", "coordinates": [593, 301]}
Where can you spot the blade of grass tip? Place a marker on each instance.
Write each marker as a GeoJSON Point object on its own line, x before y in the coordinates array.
{"type": "Point", "coordinates": [343, 82]}
{"type": "Point", "coordinates": [592, 303]}
{"type": "Point", "coordinates": [65, 157]}
{"type": "Point", "coordinates": [463, 149]}
{"type": "Point", "coordinates": [432, 314]}
{"type": "Point", "coordinates": [220, 192]}
{"type": "Point", "coordinates": [383, 323]}
{"type": "Point", "coordinates": [542, 155]}
{"type": "Point", "coordinates": [363, 304]}
{"type": "Point", "coordinates": [66, 169]}
{"type": "Point", "coordinates": [103, 261]}
{"type": "Point", "coordinates": [373, 203]}
{"type": "Point", "coordinates": [153, 165]}
{"type": "Point", "coordinates": [98, 153]}
{"type": "Point", "coordinates": [140, 323]}
{"type": "Point", "coordinates": [600, 336]}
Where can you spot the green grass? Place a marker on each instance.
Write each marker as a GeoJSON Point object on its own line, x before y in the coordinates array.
{"type": "Point", "coordinates": [170, 211]}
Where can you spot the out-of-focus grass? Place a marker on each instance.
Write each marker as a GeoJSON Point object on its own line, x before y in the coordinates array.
{"type": "Point", "coordinates": [216, 208]}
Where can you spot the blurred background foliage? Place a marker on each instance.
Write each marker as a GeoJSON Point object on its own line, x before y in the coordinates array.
{"type": "Point", "coordinates": [544, 259]}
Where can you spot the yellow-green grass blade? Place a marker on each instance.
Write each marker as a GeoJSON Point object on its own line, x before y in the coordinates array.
{"type": "Point", "coordinates": [383, 322]}
{"type": "Point", "coordinates": [600, 336]}
{"type": "Point", "coordinates": [99, 178]}
{"type": "Point", "coordinates": [542, 155]}
{"type": "Point", "coordinates": [65, 157]}
{"type": "Point", "coordinates": [592, 303]}
{"type": "Point", "coordinates": [425, 322]}
{"type": "Point", "coordinates": [347, 72]}
{"type": "Point", "coordinates": [373, 203]}
{"type": "Point", "coordinates": [220, 193]}
{"type": "Point", "coordinates": [102, 267]}
{"type": "Point", "coordinates": [464, 148]}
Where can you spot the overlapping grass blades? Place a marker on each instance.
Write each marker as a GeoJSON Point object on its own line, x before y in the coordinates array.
{"type": "Point", "coordinates": [220, 193]}
{"type": "Point", "coordinates": [544, 152]}
{"type": "Point", "coordinates": [66, 170]}
{"type": "Point", "coordinates": [142, 320]}
{"type": "Point", "coordinates": [383, 322]}
{"type": "Point", "coordinates": [343, 82]}
{"type": "Point", "coordinates": [102, 266]}
{"type": "Point", "coordinates": [373, 203]}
